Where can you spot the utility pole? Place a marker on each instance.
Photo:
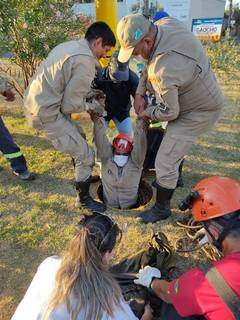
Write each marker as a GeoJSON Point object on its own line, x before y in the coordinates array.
{"type": "Point", "coordinates": [146, 7]}
{"type": "Point", "coordinates": [106, 10]}
{"type": "Point", "coordinates": [230, 15]}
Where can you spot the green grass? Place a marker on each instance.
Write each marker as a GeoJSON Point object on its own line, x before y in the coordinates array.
{"type": "Point", "coordinates": [37, 219]}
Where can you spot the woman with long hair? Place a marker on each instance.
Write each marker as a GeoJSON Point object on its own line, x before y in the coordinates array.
{"type": "Point", "coordinates": [79, 286]}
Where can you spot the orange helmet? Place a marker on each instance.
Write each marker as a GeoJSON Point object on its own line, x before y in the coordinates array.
{"type": "Point", "coordinates": [123, 144]}
{"type": "Point", "coordinates": [217, 196]}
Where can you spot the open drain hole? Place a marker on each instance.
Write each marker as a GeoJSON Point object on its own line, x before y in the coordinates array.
{"type": "Point", "coordinates": [145, 194]}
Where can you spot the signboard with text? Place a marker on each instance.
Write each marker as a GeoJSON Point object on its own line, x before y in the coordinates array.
{"type": "Point", "coordinates": [207, 29]}
{"type": "Point", "coordinates": [178, 9]}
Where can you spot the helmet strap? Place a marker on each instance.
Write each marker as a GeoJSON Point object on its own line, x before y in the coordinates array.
{"type": "Point", "coordinates": [224, 224]}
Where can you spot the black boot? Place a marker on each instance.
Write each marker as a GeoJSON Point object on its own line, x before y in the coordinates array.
{"type": "Point", "coordinates": [84, 198]}
{"type": "Point", "coordinates": [180, 182]}
{"type": "Point", "coordinates": [94, 179]}
{"type": "Point", "coordinates": [161, 210]}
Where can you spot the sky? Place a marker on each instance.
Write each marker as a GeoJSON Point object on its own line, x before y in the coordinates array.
{"type": "Point", "coordinates": [234, 2]}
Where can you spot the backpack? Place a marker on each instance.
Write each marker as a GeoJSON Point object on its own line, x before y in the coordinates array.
{"type": "Point", "coordinates": [158, 254]}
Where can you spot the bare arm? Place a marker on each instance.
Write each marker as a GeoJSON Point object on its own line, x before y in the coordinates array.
{"type": "Point", "coordinates": [148, 313]}
{"type": "Point", "coordinates": [161, 288]}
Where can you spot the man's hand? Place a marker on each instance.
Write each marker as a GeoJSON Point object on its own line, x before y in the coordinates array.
{"type": "Point", "coordinates": [144, 117]}
{"type": "Point", "coordinates": [95, 94]}
{"type": "Point", "coordinates": [94, 116]}
{"type": "Point", "coordinates": [148, 313]}
{"type": "Point", "coordinates": [95, 101]}
{"type": "Point", "coordinates": [139, 104]}
{"type": "Point", "coordinates": [146, 275]}
{"type": "Point", "coordinates": [9, 95]}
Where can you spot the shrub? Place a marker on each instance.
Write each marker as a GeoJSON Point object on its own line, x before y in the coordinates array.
{"type": "Point", "coordinates": [30, 29]}
{"type": "Point", "coordinates": [224, 57]}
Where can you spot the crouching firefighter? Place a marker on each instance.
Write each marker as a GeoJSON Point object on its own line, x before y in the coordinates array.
{"type": "Point", "coordinates": [122, 163]}
{"type": "Point", "coordinates": [211, 291]}
{"type": "Point", "coordinates": [62, 86]}
{"type": "Point", "coordinates": [187, 94]}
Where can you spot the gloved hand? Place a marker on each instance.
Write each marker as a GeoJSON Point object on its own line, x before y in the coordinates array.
{"type": "Point", "coordinates": [95, 101]}
{"type": "Point", "coordinates": [146, 275]}
{"type": "Point", "coordinates": [95, 94]}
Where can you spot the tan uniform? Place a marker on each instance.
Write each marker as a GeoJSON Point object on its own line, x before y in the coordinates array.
{"type": "Point", "coordinates": [59, 88]}
{"type": "Point", "coordinates": [187, 94]}
{"type": "Point", "coordinates": [120, 185]}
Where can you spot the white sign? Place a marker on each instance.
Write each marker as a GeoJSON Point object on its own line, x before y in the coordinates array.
{"type": "Point", "coordinates": [178, 9]}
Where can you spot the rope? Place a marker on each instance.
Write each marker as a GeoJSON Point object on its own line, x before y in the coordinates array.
{"type": "Point", "coordinates": [194, 232]}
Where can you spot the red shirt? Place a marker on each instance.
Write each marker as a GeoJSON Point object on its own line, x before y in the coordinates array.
{"type": "Point", "coordinates": [192, 294]}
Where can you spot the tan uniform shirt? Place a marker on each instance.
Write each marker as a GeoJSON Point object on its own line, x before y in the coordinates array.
{"type": "Point", "coordinates": [179, 74]}
{"type": "Point", "coordinates": [120, 185]}
{"type": "Point", "coordinates": [61, 83]}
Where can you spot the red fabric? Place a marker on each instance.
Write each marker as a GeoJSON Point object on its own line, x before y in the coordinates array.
{"type": "Point", "coordinates": [192, 294]}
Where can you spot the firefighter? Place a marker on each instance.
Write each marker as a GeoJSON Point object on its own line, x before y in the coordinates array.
{"type": "Point", "coordinates": [211, 291]}
{"type": "Point", "coordinates": [187, 94]}
{"type": "Point", "coordinates": [7, 146]}
{"type": "Point", "coordinates": [122, 163]}
{"type": "Point", "coordinates": [62, 86]}
{"type": "Point", "coordinates": [119, 83]}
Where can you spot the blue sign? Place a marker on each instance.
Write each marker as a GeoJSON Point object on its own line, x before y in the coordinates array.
{"type": "Point", "coordinates": [207, 29]}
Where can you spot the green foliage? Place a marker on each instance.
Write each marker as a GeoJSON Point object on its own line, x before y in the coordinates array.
{"type": "Point", "coordinates": [30, 29]}
{"type": "Point", "coordinates": [224, 57]}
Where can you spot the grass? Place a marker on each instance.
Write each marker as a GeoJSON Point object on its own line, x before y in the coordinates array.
{"type": "Point", "coordinates": [37, 219]}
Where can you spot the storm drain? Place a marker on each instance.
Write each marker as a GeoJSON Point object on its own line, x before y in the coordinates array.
{"type": "Point", "coordinates": [145, 194]}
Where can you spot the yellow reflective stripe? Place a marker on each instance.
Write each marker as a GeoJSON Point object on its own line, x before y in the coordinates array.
{"type": "Point", "coordinates": [13, 155]}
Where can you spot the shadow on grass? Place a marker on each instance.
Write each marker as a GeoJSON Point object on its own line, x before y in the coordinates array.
{"type": "Point", "coordinates": [32, 141]}
{"type": "Point", "coordinates": [18, 265]}
{"type": "Point", "coordinates": [45, 183]}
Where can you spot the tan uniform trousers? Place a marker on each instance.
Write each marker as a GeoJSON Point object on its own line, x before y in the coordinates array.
{"type": "Point", "coordinates": [67, 137]}
{"type": "Point", "coordinates": [179, 137]}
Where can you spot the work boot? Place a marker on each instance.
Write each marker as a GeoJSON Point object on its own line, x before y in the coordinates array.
{"type": "Point", "coordinates": [84, 198]}
{"type": "Point", "coordinates": [94, 179]}
{"type": "Point", "coordinates": [161, 210]}
{"type": "Point", "coordinates": [25, 176]}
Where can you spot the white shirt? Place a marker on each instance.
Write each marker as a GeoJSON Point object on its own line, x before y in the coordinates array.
{"type": "Point", "coordinates": [40, 290]}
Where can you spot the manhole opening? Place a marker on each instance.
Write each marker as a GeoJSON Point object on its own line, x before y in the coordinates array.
{"type": "Point", "coordinates": [145, 194]}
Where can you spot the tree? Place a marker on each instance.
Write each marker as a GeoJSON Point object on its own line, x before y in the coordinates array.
{"type": "Point", "coordinates": [30, 29]}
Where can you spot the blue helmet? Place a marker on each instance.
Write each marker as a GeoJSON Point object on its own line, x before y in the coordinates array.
{"type": "Point", "coordinates": [159, 15]}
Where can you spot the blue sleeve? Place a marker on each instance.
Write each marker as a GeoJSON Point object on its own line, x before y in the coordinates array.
{"type": "Point", "coordinates": [133, 78]}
